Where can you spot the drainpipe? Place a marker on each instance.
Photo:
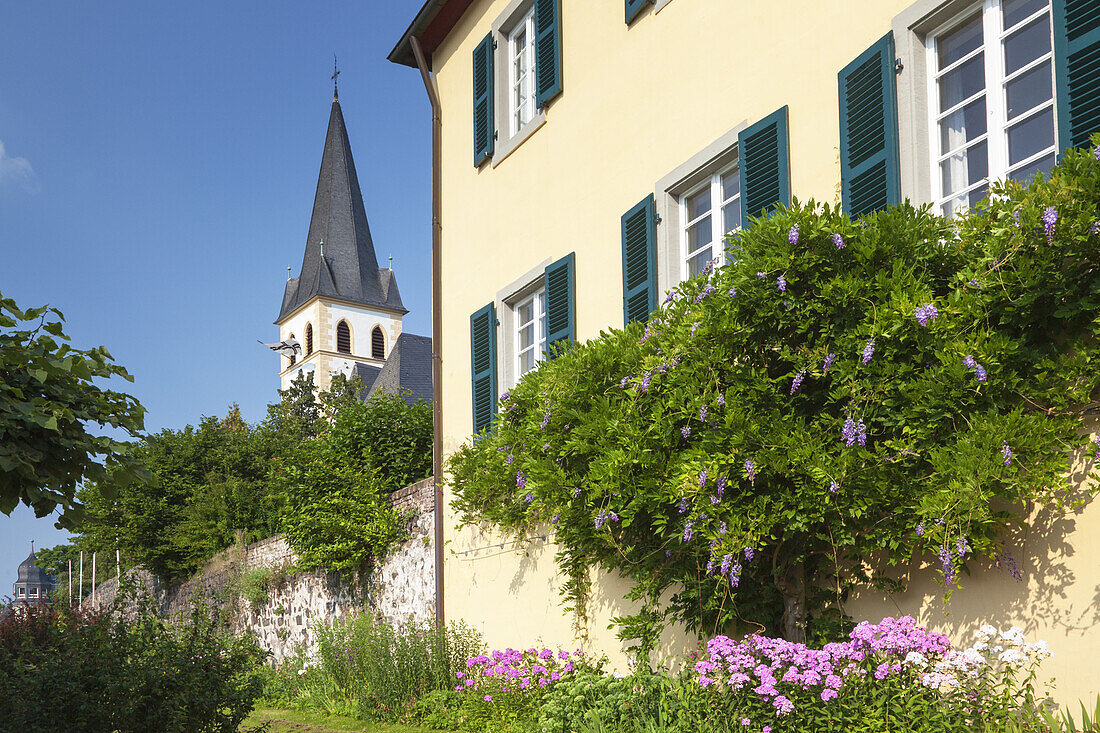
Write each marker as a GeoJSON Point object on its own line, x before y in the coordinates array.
{"type": "Point", "coordinates": [437, 324]}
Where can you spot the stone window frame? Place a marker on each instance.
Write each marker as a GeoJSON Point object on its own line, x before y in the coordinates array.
{"type": "Point", "coordinates": [506, 143]}
{"type": "Point", "coordinates": [672, 187]}
{"type": "Point", "coordinates": [506, 300]}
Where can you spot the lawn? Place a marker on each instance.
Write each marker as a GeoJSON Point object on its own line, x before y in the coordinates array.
{"type": "Point", "coordinates": [291, 721]}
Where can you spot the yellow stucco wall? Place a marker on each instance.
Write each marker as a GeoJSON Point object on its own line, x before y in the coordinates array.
{"type": "Point", "coordinates": [638, 101]}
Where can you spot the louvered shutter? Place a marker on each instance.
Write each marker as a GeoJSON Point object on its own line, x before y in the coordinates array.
{"type": "Point", "coordinates": [639, 261]}
{"type": "Point", "coordinates": [633, 8]}
{"type": "Point", "coordinates": [869, 168]}
{"type": "Point", "coordinates": [764, 165]}
{"type": "Point", "coordinates": [484, 132]}
{"type": "Point", "coordinates": [558, 283]}
{"type": "Point", "coordinates": [547, 50]}
{"type": "Point", "coordinates": [1077, 68]}
{"type": "Point", "coordinates": [483, 360]}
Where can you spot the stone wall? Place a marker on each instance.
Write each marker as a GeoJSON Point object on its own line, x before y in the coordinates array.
{"type": "Point", "coordinates": [400, 589]}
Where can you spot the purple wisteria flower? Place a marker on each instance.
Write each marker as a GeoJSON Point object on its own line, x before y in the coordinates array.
{"type": "Point", "coordinates": [685, 431]}
{"type": "Point", "coordinates": [703, 413]}
{"type": "Point", "coordinates": [703, 477]}
{"type": "Point", "coordinates": [797, 382]}
{"type": "Point", "coordinates": [761, 275]}
{"type": "Point", "coordinates": [577, 492]}
{"type": "Point", "coordinates": [829, 359]}
{"type": "Point", "coordinates": [714, 500]}
{"type": "Point", "coordinates": [509, 459]}
{"type": "Point", "coordinates": [920, 529]}
{"type": "Point", "coordinates": [838, 241]}
{"type": "Point", "coordinates": [705, 292]}
{"type": "Point", "coordinates": [969, 361]}
{"type": "Point", "coordinates": [604, 517]}
{"type": "Point", "coordinates": [671, 296]}
{"type": "Point", "coordinates": [645, 381]}
{"type": "Point", "coordinates": [1003, 558]}
{"type": "Point", "coordinates": [1050, 222]}
{"type": "Point", "coordinates": [721, 400]}
{"type": "Point", "coordinates": [947, 565]}
{"type": "Point", "coordinates": [749, 553]}
{"type": "Point", "coordinates": [683, 507]}
{"type": "Point", "coordinates": [625, 381]}
{"type": "Point", "coordinates": [926, 313]}
{"type": "Point", "coordinates": [722, 529]}
{"type": "Point", "coordinates": [721, 482]}
{"type": "Point", "coordinates": [1096, 152]}
{"type": "Point", "coordinates": [647, 334]}
{"type": "Point", "coordinates": [1095, 228]}
{"type": "Point", "coordinates": [979, 371]}
{"type": "Point", "coordinates": [750, 469]}
{"type": "Point", "coordinates": [521, 480]}
{"type": "Point", "coordinates": [854, 431]}
{"type": "Point", "coordinates": [962, 546]}
{"type": "Point", "coordinates": [792, 236]}
{"type": "Point", "coordinates": [554, 519]}
{"type": "Point", "coordinates": [688, 533]}
{"type": "Point", "coordinates": [694, 328]}
{"type": "Point", "coordinates": [781, 283]}
{"type": "Point", "coordinates": [545, 420]}
{"type": "Point", "coordinates": [834, 487]}
{"type": "Point", "coordinates": [732, 292]}
{"type": "Point", "coordinates": [1007, 453]}
{"type": "Point", "coordinates": [1096, 456]}
{"type": "Point", "coordinates": [529, 498]}
{"type": "Point", "coordinates": [727, 563]}
{"type": "Point", "coordinates": [868, 351]}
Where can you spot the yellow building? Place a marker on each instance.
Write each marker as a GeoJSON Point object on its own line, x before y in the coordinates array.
{"type": "Point", "coordinates": [593, 154]}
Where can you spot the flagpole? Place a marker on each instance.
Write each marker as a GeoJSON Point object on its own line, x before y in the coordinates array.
{"type": "Point", "coordinates": [93, 579]}
{"type": "Point", "coordinates": [70, 582]}
{"type": "Point", "coordinates": [80, 593]}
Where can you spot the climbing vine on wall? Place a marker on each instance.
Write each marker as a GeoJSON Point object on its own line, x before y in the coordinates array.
{"type": "Point", "coordinates": [842, 392]}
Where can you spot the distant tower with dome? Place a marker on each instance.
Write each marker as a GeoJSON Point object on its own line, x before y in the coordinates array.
{"type": "Point", "coordinates": [32, 585]}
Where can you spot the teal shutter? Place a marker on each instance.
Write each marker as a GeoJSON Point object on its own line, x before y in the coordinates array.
{"type": "Point", "coordinates": [547, 50]}
{"type": "Point", "coordinates": [483, 361]}
{"type": "Point", "coordinates": [640, 261]}
{"type": "Point", "coordinates": [1077, 69]}
{"type": "Point", "coordinates": [633, 8]}
{"type": "Point", "coordinates": [764, 165]}
{"type": "Point", "coordinates": [484, 132]}
{"type": "Point", "coordinates": [869, 167]}
{"type": "Point", "coordinates": [560, 320]}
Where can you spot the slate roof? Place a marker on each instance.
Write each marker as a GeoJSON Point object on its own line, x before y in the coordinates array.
{"type": "Point", "coordinates": [367, 373]}
{"type": "Point", "coordinates": [30, 573]}
{"type": "Point", "coordinates": [408, 370]}
{"type": "Point", "coordinates": [348, 269]}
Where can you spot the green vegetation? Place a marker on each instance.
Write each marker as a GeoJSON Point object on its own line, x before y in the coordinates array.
{"type": "Point", "coordinates": [255, 584]}
{"type": "Point", "coordinates": [48, 399]}
{"type": "Point", "coordinates": [298, 721]}
{"type": "Point", "coordinates": [311, 466]}
{"type": "Point", "coordinates": [841, 394]}
{"type": "Point", "coordinates": [371, 670]}
{"type": "Point", "coordinates": [67, 670]}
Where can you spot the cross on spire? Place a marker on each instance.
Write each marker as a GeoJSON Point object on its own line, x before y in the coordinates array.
{"type": "Point", "coordinates": [335, 76]}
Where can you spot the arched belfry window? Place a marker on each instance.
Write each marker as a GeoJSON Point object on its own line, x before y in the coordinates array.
{"type": "Point", "coordinates": [309, 339]}
{"type": "Point", "coordinates": [293, 356]}
{"type": "Point", "coordinates": [343, 337]}
{"type": "Point", "coordinates": [377, 343]}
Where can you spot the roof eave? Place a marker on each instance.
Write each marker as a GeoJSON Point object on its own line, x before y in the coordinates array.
{"type": "Point", "coordinates": [431, 25]}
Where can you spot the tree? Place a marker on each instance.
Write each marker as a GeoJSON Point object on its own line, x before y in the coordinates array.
{"type": "Point", "coordinates": [48, 400]}
{"type": "Point", "coordinates": [841, 394]}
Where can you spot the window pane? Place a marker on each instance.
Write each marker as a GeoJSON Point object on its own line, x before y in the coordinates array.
{"type": "Point", "coordinates": [978, 195]}
{"type": "Point", "coordinates": [699, 234]}
{"type": "Point", "coordinates": [526, 336]}
{"type": "Point", "coordinates": [731, 185]}
{"type": "Point", "coordinates": [731, 216]}
{"type": "Point", "coordinates": [1017, 10]}
{"type": "Point", "coordinates": [1030, 136]}
{"type": "Point", "coordinates": [964, 169]}
{"type": "Point", "coordinates": [962, 125]}
{"type": "Point", "coordinates": [1028, 44]}
{"type": "Point", "coordinates": [1025, 172]}
{"type": "Point", "coordinates": [525, 312]}
{"type": "Point", "coordinates": [698, 204]}
{"type": "Point", "coordinates": [526, 361]}
{"type": "Point", "coordinates": [697, 263]}
{"type": "Point", "coordinates": [962, 82]}
{"type": "Point", "coordinates": [959, 42]}
{"type": "Point", "coordinates": [1028, 90]}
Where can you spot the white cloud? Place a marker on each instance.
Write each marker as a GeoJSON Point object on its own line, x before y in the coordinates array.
{"type": "Point", "coordinates": [17, 171]}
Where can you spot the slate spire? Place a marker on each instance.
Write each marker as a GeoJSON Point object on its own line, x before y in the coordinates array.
{"type": "Point", "coordinates": [339, 259]}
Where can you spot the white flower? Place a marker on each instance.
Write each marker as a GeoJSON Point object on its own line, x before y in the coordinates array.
{"type": "Point", "coordinates": [1011, 657]}
{"type": "Point", "coordinates": [1014, 636]}
{"type": "Point", "coordinates": [916, 659]}
{"type": "Point", "coordinates": [301, 671]}
{"type": "Point", "coordinates": [987, 632]}
{"type": "Point", "coordinates": [1040, 649]}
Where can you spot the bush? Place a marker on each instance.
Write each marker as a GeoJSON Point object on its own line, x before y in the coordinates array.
{"type": "Point", "coordinates": [69, 670]}
{"type": "Point", "coordinates": [255, 583]}
{"type": "Point", "coordinates": [370, 669]}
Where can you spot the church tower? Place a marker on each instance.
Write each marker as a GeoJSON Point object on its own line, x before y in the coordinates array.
{"type": "Point", "coordinates": [344, 311]}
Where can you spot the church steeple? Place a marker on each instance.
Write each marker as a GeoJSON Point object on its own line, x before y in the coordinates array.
{"type": "Point", "coordinates": [339, 259]}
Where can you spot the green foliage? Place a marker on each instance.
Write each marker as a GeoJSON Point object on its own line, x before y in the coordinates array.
{"type": "Point", "coordinates": [55, 560]}
{"type": "Point", "coordinates": [48, 400]}
{"type": "Point", "coordinates": [64, 670]}
{"type": "Point", "coordinates": [255, 583]}
{"type": "Point", "coordinates": [370, 669]}
{"type": "Point", "coordinates": [717, 452]}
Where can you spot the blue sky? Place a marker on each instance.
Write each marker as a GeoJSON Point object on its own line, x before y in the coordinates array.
{"type": "Point", "coordinates": [157, 169]}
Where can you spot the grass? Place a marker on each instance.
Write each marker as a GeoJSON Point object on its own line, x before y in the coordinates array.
{"type": "Point", "coordinates": [292, 721]}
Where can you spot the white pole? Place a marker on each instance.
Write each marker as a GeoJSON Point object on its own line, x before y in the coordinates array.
{"type": "Point", "coordinates": [70, 582]}
{"type": "Point", "coordinates": [80, 593]}
{"type": "Point", "coordinates": [118, 565]}
{"type": "Point", "coordinates": [93, 580]}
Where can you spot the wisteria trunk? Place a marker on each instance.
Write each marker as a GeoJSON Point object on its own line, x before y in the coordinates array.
{"type": "Point", "coordinates": [791, 583]}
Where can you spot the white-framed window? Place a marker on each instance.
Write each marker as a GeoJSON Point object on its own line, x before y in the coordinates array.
{"type": "Point", "coordinates": [34, 593]}
{"type": "Point", "coordinates": [707, 213]}
{"type": "Point", "coordinates": [529, 319]}
{"type": "Point", "coordinates": [21, 592]}
{"type": "Point", "coordinates": [991, 98]}
{"type": "Point", "coordinates": [521, 72]}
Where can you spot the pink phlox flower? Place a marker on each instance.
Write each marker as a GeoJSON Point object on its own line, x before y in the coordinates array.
{"type": "Point", "coordinates": [555, 676]}
{"type": "Point", "coordinates": [828, 694]}
{"type": "Point", "coordinates": [746, 721]}
{"type": "Point", "coordinates": [834, 682]}
{"type": "Point", "coordinates": [469, 682]}
{"type": "Point", "coordinates": [782, 705]}
{"type": "Point", "coordinates": [488, 698]}
{"type": "Point", "coordinates": [705, 681]}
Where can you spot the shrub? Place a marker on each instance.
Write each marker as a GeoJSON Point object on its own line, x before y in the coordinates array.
{"type": "Point", "coordinates": [255, 583]}
{"type": "Point", "coordinates": [68, 670]}
{"type": "Point", "coordinates": [371, 669]}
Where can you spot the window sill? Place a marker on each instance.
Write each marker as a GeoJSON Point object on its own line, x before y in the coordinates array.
{"type": "Point", "coordinates": [509, 146]}
{"type": "Point", "coordinates": [658, 5]}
